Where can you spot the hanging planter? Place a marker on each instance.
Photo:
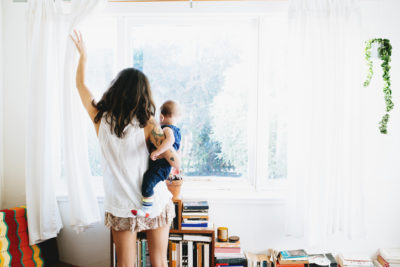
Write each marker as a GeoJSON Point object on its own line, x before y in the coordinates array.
{"type": "Point", "coordinates": [384, 53]}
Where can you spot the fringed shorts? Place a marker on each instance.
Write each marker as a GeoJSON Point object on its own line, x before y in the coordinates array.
{"type": "Point", "coordinates": [138, 224]}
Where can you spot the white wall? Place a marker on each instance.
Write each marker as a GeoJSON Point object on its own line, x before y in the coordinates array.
{"type": "Point", "coordinates": [1, 108]}
{"type": "Point", "coordinates": [15, 94]}
{"type": "Point", "coordinates": [259, 224]}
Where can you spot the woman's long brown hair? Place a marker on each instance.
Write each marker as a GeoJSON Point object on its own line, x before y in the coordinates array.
{"type": "Point", "coordinates": [128, 97]}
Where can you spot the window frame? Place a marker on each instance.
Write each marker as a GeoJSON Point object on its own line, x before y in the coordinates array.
{"type": "Point", "coordinates": [257, 184]}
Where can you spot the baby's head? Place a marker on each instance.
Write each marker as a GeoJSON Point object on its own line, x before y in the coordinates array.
{"type": "Point", "coordinates": [169, 112]}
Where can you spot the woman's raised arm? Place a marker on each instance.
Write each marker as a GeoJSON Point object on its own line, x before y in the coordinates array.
{"type": "Point", "coordinates": [84, 92]}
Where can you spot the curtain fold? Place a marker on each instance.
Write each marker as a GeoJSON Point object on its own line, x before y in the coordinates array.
{"type": "Point", "coordinates": [325, 171]}
{"type": "Point", "coordinates": [42, 142]}
{"type": "Point", "coordinates": [52, 101]}
{"type": "Point", "coordinates": [84, 209]}
{"type": "Point", "coordinates": [1, 112]}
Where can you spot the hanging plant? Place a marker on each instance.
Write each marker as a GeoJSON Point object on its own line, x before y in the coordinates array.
{"type": "Point", "coordinates": [384, 52]}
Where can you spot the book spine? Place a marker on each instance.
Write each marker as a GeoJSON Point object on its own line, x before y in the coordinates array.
{"type": "Point", "coordinates": [173, 254]}
{"type": "Point", "coordinates": [143, 253]}
{"type": "Point", "coordinates": [199, 255]}
{"type": "Point", "coordinates": [195, 255]}
{"type": "Point", "coordinates": [190, 253]}
{"type": "Point", "coordinates": [169, 253]}
{"type": "Point", "coordinates": [180, 254]}
{"type": "Point", "coordinates": [206, 252]}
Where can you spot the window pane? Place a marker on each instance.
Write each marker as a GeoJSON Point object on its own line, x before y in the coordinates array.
{"type": "Point", "coordinates": [275, 28]}
{"type": "Point", "coordinates": [100, 37]}
{"type": "Point", "coordinates": [209, 68]}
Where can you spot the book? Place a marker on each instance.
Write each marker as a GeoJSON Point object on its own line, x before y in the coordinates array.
{"type": "Point", "coordinates": [199, 254]}
{"type": "Point", "coordinates": [193, 214]}
{"type": "Point", "coordinates": [201, 238]}
{"type": "Point", "coordinates": [292, 262]}
{"type": "Point", "coordinates": [391, 255]}
{"type": "Point", "coordinates": [206, 253]}
{"type": "Point", "coordinates": [228, 250]}
{"type": "Point", "coordinates": [143, 253]}
{"type": "Point", "coordinates": [210, 227]}
{"type": "Point", "coordinates": [195, 224]}
{"type": "Point", "coordinates": [190, 253]}
{"type": "Point", "coordinates": [290, 254]}
{"type": "Point", "coordinates": [169, 253]}
{"type": "Point", "coordinates": [229, 255]}
{"type": "Point", "coordinates": [195, 255]}
{"type": "Point", "coordinates": [287, 257]}
{"type": "Point", "coordinates": [179, 254]}
{"type": "Point", "coordinates": [138, 253]}
{"type": "Point", "coordinates": [184, 254]}
{"type": "Point", "coordinates": [227, 245]}
{"type": "Point", "coordinates": [231, 261]}
{"type": "Point", "coordinates": [278, 264]}
{"type": "Point", "coordinates": [195, 217]}
{"type": "Point", "coordinates": [195, 205]}
{"type": "Point", "coordinates": [175, 237]}
{"type": "Point", "coordinates": [173, 254]}
{"type": "Point", "coordinates": [346, 260]}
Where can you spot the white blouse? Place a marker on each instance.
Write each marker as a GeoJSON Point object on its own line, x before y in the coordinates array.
{"type": "Point", "coordinates": [125, 160]}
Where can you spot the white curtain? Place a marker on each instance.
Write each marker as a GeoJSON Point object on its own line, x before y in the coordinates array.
{"type": "Point", "coordinates": [1, 111]}
{"type": "Point", "coordinates": [52, 108]}
{"type": "Point", "coordinates": [325, 126]}
{"type": "Point", "coordinates": [84, 210]}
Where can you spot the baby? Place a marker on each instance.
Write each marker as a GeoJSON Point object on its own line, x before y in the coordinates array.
{"type": "Point", "coordinates": [159, 168]}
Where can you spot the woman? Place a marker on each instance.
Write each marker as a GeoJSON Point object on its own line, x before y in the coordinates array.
{"type": "Point", "coordinates": [125, 126]}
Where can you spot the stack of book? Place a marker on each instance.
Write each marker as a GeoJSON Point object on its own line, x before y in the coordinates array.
{"type": "Point", "coordinates": [388, 257]}
{"type": "Point", "coordinates": [195, 216]}
{"type": "Point", "coordinates": [189, 250]}
{"type": "Point", "coordinates": [292, 258]}
{"type": "Point", "coordinates": [142, 253]}
{"type": "Point", "coordinates": [229, 254]}
{"type": "Point", "coordinates": [348, 260]}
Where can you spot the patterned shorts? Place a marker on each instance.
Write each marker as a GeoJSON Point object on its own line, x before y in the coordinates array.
{"type": "Point", "coordinates": [138, 224]}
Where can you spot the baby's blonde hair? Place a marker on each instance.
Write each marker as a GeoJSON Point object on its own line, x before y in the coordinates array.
{"type": "Point", "coordinates": [170, 108]}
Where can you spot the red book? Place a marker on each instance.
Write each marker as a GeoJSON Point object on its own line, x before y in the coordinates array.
{"type": "Point", "coordinates": [289, 265]}
{"type": "Point", "coordinates": [227, 250]}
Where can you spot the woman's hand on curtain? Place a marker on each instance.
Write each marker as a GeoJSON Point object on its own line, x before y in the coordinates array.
{"type": "Point", "coordinates": [84, 92]}
{"type": "Point", "coordinates": [79, 43]}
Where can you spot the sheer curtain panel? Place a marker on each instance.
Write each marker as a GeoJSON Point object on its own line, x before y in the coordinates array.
{"type": "Point", "coordinates": [55, 121]}
{"type": "Point", "coordinates": [325, 127]}
{"type": "Point", "coordinates": [1, 112]}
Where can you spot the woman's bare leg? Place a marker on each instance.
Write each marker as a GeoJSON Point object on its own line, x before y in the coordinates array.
{"type": "Point", "coordinates": [125, 246]}
{"type": "Point", "coordinates": [158, 246]}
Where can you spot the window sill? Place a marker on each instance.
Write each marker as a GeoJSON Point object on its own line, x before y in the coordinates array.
{"type": "Point", "coordinates": [232, 191]}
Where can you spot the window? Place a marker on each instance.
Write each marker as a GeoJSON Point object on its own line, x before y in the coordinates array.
{"type": "Point", "coordinates": [208, 67]}
{"type": "Point", "coordinates": [226, 74]}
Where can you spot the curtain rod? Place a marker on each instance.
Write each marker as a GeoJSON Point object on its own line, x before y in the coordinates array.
{"type": "Point", "coordinates": [133, 1]}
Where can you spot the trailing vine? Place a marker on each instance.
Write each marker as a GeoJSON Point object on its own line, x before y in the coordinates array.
{"type": "Point", "coordinates": [384, 52]}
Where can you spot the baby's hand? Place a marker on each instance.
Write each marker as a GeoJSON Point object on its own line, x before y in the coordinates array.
{"type": "Point", "coordinates": [154, 155]}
